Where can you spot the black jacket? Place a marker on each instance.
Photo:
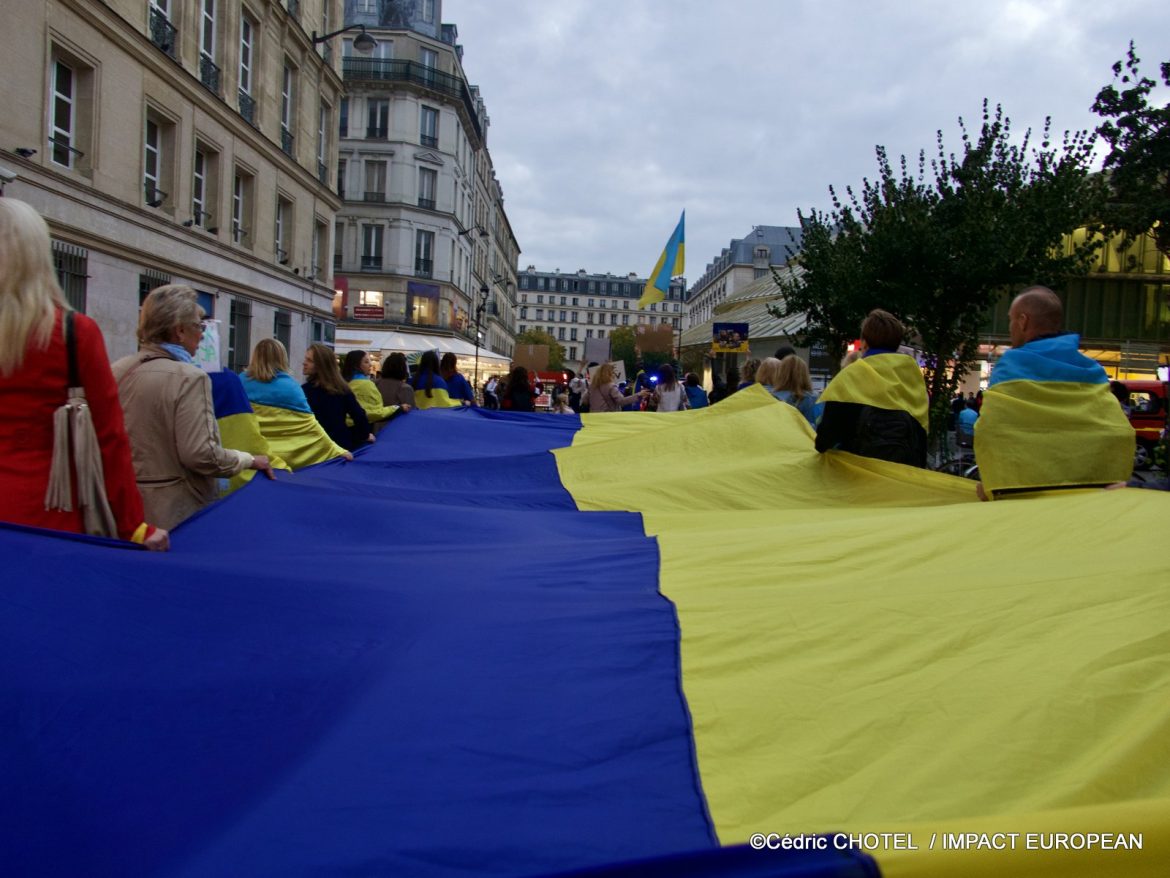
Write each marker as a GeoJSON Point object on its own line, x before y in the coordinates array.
{"type": "Point", "coordinates": [884, 434]}
{"type": "Point", "coordinates": [331, 409]}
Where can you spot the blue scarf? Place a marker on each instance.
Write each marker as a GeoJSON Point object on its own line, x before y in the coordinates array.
{"type": "Point", "coordinates": [177, 351]}
{"type": "Point", "coordinates": [281, 392]}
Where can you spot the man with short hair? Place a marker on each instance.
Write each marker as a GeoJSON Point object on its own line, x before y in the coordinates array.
{"type": "Point", "coordinates": [1048, 419]}
{"type": "Point", "coordinates": [878, 406]}
{"type": "Point", "coordinates": [457, 386]}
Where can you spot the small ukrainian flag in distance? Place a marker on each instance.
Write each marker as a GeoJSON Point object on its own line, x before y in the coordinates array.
{"type": "Point", "coordinates": [670, 264]}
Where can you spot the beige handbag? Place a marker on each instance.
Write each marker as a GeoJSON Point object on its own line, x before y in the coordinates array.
{"type": "Point", "coordinates": [74, 437]}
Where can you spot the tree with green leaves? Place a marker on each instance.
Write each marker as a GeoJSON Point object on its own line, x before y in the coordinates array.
{"type": "Point", "coordinates": [938, 244]}
{"type": "Point", "coordinates": [623, 346]}
{"type": "Point", "coordinates": [556, 351]}
{"type": "Point", "coordinates": [1138, 164]}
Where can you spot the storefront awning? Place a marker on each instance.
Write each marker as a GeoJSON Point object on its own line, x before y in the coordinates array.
{"type": "Point", "coordinates": [386, 341]}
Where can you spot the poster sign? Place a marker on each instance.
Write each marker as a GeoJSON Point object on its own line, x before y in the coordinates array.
{"type": "Point", "coordinates": [729, 338]}
{"type": "Point", "coordinates": [654, 339]}
{"type": "Point", "coordinates": [533, 357]}
{"type": "Point", "coordinates": [619, 370]}
{"type": "Point", "coordinates": [207, 355]}
{"type": "Point", "coordinates": [596, 350]}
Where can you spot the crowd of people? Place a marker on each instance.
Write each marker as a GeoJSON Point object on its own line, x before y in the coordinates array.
{"type": "Point", "coordinates": [138, 446]}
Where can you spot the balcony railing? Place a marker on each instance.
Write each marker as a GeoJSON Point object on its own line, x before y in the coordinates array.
{"type": "Point", "coordinates": [286, 141]}
{"type": "Point", "coordinates": [371, 263]}
{"type": "Point", "coordinates": [424, 267]}
{"type": "Point", "coordinates": [376, 132]}
{"type": "Point", "coordinates": [248, 108]}
{"type": "Point", "coordinates": [356, 69]}
{"type": "Point", "coordinates": [209, 74]}
{"type": "Point", "coordinates": [162, 33]}
{"type": "Point", "coordinates": [428, 203]}
{"type": "Point", "coordinates": [374, 196]}
{"type": "Point", "coordinates": [428, 140]}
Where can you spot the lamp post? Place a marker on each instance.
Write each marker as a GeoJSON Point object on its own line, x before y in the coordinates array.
{"type": "Point", "coordinates": [484, 292]}
{"type": "Point", "coordinates": [363, 43]}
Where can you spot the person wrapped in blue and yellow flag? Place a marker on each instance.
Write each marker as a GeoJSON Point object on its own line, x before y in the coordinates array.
{"type": "Point", "coordinates": [357, 371]}
{"type": "Point", "coordinates": [1048, 419]}
{"type": "Point", "coordinates": [284, 415]}
{"type": "Point", "coordinates": [239, 428]}
{"type": "Point", "coordinates": [877, 406]}
{"type": "Point", "coordinates": [430, 390]}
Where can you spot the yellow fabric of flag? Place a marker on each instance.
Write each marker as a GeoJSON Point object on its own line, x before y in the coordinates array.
{"type": "Point", "coordinates": [887, 381]}
{"type": "Point", "coordinates": [1048, 434]}
{"type": "Point", "coordinates": [297, 437]}
{"type": "Point", "coordinates": [370, 399]}
{"type": "Point", "coordinates": [866, 647]}
{"type": "Point", "coordinates": [241, 432]}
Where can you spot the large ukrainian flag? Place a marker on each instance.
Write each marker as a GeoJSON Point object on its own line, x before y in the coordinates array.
{"type": "Point", "coordinates": [481, 649]}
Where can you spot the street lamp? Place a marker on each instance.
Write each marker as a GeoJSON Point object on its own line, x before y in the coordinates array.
{"type": "Point", "coordinates": [363, 43]}
{"type": "Point", "coordinates": [484, 292]}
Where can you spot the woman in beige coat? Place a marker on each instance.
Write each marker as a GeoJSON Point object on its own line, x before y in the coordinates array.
{"type": "Point", "coordinates": [170, 417]}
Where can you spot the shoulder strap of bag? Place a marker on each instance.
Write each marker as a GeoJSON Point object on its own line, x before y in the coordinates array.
{"type": "Point", "coordinates": [71, 351]}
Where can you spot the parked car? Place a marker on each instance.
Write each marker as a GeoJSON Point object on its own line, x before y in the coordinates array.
{"type": "Point", "coordinates": [1147, 415]}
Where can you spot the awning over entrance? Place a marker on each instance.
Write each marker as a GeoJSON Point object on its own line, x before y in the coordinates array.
{"type": "Point", "coordinates": [386, 341]}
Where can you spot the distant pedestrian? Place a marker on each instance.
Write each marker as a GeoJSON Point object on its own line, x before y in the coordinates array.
{"type": "Point", "coordinates": [696, 395]}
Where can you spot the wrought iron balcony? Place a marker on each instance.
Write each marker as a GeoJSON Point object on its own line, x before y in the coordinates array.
{"type": "Point", "coordinates": [162, 33]}
{"type": "Point", "coordinates": [424, 267]}
{"type": "Point", "coordinates": [373, 70]}
{"type": "Point", "coordinates": [286, 141]}
{"type": "Point", "coordinates": [428, 203]}
{"type": "Point", "coordinates": [376, 132]}
{"type": "Point", "coordinates": [374, 196]}
{"type": "Point", "coordinates": [428, 140]}
{"type": "Point", "coordinates": [371, 263]}
{"type": "Point", "coordinates": [209, 74]}
{"type": "Point", "coordinates": [248, 108]}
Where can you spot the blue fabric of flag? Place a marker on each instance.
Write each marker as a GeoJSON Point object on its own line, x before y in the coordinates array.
{"type": "Point", "coordinates": [282, 392]}
{"type": "Point", "coordinates": [1056, 358]}
{"type": "Point", "coordinates": [227, 394]}
{"type": "Point", "coordinates": [427, 662]}
{"type": "Point", "coordinates": [672, 262]}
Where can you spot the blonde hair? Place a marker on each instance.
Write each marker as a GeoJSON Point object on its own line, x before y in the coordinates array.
{"type": "Point", "coordinates": [749, 371]}
{"type": "Point", "coordinates": [604, 375]}
{"type": "Point", "coordinates": [29, 293]}
{"type": "Point", "coordinates": [794, 377]}
{"type": "Point", "coordinates": [268, 358]}
{"type": "Point", "coordinates": [165, 308]}
{"type": "Point", "coordinates": [769, 372]}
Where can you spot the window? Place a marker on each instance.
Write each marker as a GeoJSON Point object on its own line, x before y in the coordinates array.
{"type": "Point", "coordinates": [589, 317]}
{"type": "Point", "coordinates": [157, 157]}
{"type": "Point", "coordinates": [574, 316]}
{"type": "Point", "coordinates": [375, 181]}
{"type": "Point", "coordinates": [70, 121]}
{"type": "Point", "coordinates": [287, 107]}
{"type": "Point", "coordinates": [539, 313]}
{"type": "Point", "coordinates": [540, 300]}
{"type": "Point", "coordinates": [591, 301]}
{"type": "Point", "coordinates": [429, 127]}
{"type": "Point", "coordinates": [343, 115]}
{"type": "Point", "coordinates": [601, 333]}
{"type": "Point", "coordinates": [72, 265]}
{"type": "Point", "coordinates": [371, 297]}
{"type": "Point", "coordinates": [573, 351]}
{"type": "Point", "coordinates": [428, 182]}
{"type": "Point", "coordinates": [323, 141]}
{"type": "Point", "coordinates": [573, 334]}
{"type": "Point", "coordinates": [424, 253]}
{"type": "Point", "coordinates": [208, 70]}
{"type": "Point", "coordinates": [241, 206]}
{"type": "Point", "coordinates": [283, 232]}
{"type": "Point", "coordinates": [561, 334]}
{"type": "Point", "coordinates": [204, 186]}
{"type": "Point", "coordinates": [282, 328]}
{"type": "Point", "coordinates": [338, 243]}
{"type": "Point", "coordinates": [341, 168]}
{"type": "Point", "coordinates": [523, 312]}
{"type": "Point", "coordinates": [429, 58]}
{"type": "Point", "coordinates": [247, 48]}
{"type": "Point", "coordinates": [613, 319]}
{"type": "Point", "coordinates": [369, 6]}
{"type": "Point", "coordinates": [377, 119]}
{"type": "Point", "coordinates": [239, 335]}
{"type": "Point", "coordinates": [63, 115]}
{"type": "Point", "coordinates": [428, 11]}
{"type": "Point", "coordinates": [563, 298]}
{"type": "Point", "coordinates": [372, 247]}
{"type": "Point", "coordinates": [323, 332]}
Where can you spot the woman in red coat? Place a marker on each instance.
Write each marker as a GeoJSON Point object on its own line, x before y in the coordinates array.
{"type": "Point", "coordinates": [34, 374]}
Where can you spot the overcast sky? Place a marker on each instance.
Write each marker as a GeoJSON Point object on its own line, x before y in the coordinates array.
{"type": "Point", "coordinates": [609, 117]}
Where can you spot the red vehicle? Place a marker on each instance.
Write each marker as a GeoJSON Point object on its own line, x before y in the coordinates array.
{"type": "Point", "coordinates": [1148, 414]}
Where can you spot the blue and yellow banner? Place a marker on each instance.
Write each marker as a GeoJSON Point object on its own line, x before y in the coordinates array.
{"type": "Point", "coordinates": [766, 662]}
